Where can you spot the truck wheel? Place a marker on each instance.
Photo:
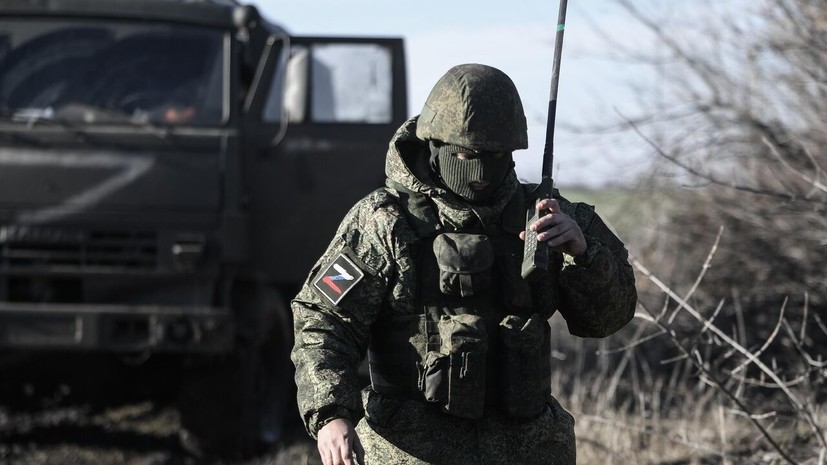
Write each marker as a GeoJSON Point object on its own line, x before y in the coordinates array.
{"type": "Point", "coordinates": [234, 407]}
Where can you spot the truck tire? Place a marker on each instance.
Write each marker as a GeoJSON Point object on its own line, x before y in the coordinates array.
{"type": "Point", "coordinates": [235, 406]}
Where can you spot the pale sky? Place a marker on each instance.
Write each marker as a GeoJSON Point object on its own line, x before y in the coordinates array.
{"type": "Point", "coordinates": [518, 38]}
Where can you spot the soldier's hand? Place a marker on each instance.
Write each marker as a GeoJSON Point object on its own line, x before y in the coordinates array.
{"type": "Point", "coordinates": [558, 230]}
{"type": "Point", "coordinates": [338, 442]}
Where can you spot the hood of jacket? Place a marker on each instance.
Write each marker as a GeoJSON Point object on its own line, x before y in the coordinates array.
{"type": "Point", "coordinates": [407, 168]}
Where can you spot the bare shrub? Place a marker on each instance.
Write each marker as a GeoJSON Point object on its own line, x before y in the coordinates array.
{"type": "Point", "coordinates": [725, 362]}
{"type": "Point", "coordinates": [752, 144]}
{"type": "Point", "coordinates": [716, 401]}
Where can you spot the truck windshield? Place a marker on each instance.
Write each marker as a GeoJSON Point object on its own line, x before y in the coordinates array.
{"type": "Point", "coordinates": [111, 72]}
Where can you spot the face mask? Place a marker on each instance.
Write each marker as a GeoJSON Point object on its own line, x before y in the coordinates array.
{"type": "Point", "coordinates": [458, 174]}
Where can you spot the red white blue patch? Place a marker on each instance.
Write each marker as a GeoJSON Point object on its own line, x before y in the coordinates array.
{"type": "Point", "coordinates": [338, 279]}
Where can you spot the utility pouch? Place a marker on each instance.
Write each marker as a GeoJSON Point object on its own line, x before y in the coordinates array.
{"type": "Point", "coordinates": [465, 341]}
{"type": "Point", "coordinates": [464, 263]}
{"type": "Point", "coordinates": [433, 381]}
{"type": "Point", "coordinates": [523, 393]}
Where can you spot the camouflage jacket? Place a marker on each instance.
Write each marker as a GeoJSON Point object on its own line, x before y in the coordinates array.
{"type": "Point", "coordinates": [372, 247]}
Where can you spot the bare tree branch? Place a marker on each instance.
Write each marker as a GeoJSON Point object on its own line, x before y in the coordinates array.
{"type": "Point", "coordinates": [712, 379]}
{"type": "Point", "coordinates": [769, 372]}
{"type": "Point", "coordinates": [714, 179]}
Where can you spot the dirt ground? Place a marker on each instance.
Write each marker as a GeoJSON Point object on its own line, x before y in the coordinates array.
{"type": "Point", "coordinates": [141, 433]}
{"type": "Point", "coordinates": [113, 414]}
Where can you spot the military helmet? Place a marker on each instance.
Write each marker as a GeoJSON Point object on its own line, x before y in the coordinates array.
{"type": "Point", "coordinates": [477, 107]}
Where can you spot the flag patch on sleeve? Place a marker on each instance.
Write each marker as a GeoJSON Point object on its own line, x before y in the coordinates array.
{"type": "Point", "coordinates": [338, 278]}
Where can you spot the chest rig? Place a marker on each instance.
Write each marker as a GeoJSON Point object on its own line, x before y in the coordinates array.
{"type": "Point", "coordinates": [475, 343]}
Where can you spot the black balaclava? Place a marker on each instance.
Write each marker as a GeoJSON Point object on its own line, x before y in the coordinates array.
{"type": "Point", "coordinates": [457, 174]}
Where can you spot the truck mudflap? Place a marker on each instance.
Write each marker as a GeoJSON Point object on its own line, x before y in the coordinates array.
{"type": "Point", "coordinates": [116, 328]}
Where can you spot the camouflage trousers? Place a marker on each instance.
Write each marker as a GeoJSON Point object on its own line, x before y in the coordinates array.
{"type": "Point", "coordinates": [404, 432]}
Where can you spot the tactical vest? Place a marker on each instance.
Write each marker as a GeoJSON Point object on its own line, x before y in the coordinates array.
{"type": "Point", "coordinates": [476, 344]}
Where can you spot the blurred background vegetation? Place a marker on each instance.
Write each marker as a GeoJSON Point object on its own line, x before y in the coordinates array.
{"type": "Point", "coordinates": [725, 360]}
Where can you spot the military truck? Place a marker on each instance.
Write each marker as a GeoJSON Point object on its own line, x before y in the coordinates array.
{"type": "Point", "coordinates": [169, 172]}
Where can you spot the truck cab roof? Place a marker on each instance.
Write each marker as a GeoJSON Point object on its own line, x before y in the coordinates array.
{"type": "Point", "coordinates": [212, 13]}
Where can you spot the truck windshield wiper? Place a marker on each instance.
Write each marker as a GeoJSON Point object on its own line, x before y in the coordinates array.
{"type": "Point", "coordinates": [34, 116]}
{"type": "Point", "coordinates": [91, 113]}
{"type": "Point", "coordinates": [86, 114]}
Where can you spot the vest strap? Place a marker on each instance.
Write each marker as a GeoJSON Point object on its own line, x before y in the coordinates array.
{"type": "Point", "coordinates": [419, 210]}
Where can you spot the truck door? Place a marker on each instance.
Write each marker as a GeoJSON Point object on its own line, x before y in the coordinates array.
{"type": "Point", "coordinates": [331, 113]}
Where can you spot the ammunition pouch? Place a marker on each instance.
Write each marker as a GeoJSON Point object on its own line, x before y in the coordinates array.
{"type": "Point", "coordinates": [525, 386]}
{"type": "Point", "coordinates": [455, 377]}
{"type": "Point", "coordinates": [433, 381]}
{"type": "Point", "coordinates": [464, 262]}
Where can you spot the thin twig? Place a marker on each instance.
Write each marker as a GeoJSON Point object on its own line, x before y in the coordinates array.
{"type": "Point", "coordinates": [799, 346]}
{"type": "Point", "coordinates": [813, 182]}
{"type": "Point", "coordinates": [759, 383]}
{"type": "Point", "coordinates": [802, 334]}
{"type": "Point", "coordinates": [636, 341]}
{"type": "Point", "coordinates": [769, 340]}
{"type": "Point", "coordinates": [709, 322]}
{"type": "Point", "coordinates": [704, 268]}
{"type": "Point", "coordinates": [757, 416]}
{"type": "Point", "coordinates": [674, 359]}
{"type": "Point", "coordinates": [820, 323]}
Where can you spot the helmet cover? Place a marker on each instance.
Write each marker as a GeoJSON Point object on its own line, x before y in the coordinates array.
{"type": "Point", "coordinates": [477, 107]}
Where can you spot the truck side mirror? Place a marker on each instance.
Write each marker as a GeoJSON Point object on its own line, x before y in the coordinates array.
{"type": "Point", "coordinates": [257, 93]}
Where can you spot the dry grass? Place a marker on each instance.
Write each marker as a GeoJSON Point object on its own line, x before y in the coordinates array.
{"type": "Point", "coordinates": [699, 427]}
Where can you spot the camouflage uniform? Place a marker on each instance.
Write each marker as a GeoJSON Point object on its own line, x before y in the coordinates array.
{"type": "Point", "coordinates": [376, 248]}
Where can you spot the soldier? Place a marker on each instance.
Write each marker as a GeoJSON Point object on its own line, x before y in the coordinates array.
{"type": "Point", "coordinates": [424, 277]}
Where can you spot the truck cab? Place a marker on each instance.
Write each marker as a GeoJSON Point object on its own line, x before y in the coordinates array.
{"type": "Point", "coordinates": [169, 172]}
